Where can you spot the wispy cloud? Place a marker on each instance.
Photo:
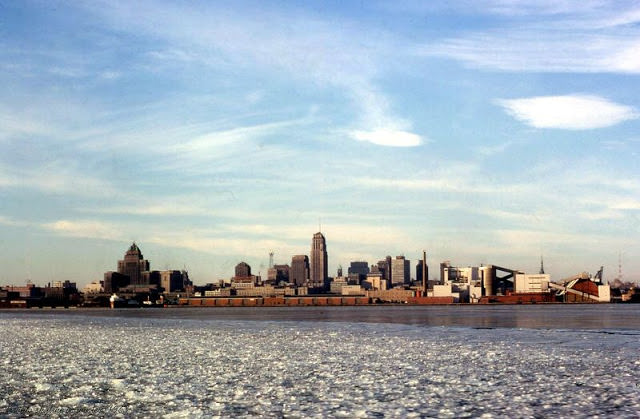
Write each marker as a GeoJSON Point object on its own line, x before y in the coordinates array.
{"type": "Point", "coordinates": [517, 50]}
{"type": "Point", "coordinates": [147, 208]}
{"type": "Point", "coordinates": [490, 150]}
{"type": "Point", "coordinates": [573, 112]}
{"type": "Point", "coordinates": [221, 141]}
{"type": "Point", "coordinates": [55, 178]}
{"type": "Point", "coordinates": [85, 229]}
{"type": "Point", "coordinates": [12, 222]}
{"type": "Point", "coordinates": [550, 37]}
{"type": "Point", "coordinates": [388, 138]}
{"type": "Point", "coordinates": [411, 184]}
{"type": "Point", "coordinates": [328, 53]}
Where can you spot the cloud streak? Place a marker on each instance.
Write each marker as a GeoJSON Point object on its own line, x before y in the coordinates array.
{"type": "Point", "coordinates": [305, 48]}
{"type": "Point", "coordinates": [387, 137]}
{"type": "Point", "coordinates": [550, 37]}
{"type": "Point", "coordinates": [85, 229]}
{"type": "Point", "coordinates": [571, 112]}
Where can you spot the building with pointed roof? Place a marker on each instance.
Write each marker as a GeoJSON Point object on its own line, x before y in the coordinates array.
{"type": "Point", "coordinates": [133, 265]}
{"type": "Point", "coordinates": [319, 272]}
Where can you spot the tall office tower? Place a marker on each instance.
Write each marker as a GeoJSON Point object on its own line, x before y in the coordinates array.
{"type": "Point", "coordinates": [387, 260]}
{"type": "Point", "coordinates": [361, 268]}
{"type": "Point", "coordinates": [400, 271]}
{"type": "Point", "coordinates": [419, 271]}
{"type": "Point", "coordinates": [133, 265]}
{"type": "Point", "coordinates": [171, 281]}
{"type": "Point", "coordinates": [299, 272]}
{"type": "Point", "coordinates": [319, 272]}
{"type": "Point", "coordinates": [243, 270]}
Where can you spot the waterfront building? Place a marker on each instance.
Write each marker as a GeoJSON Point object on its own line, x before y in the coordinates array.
{"type": "Point", "coordinates": [384, 267]}
{"type": "Point", "coordinates": [374, 281]}
{"type": "Point", "coordinates": [94, 287]}
{"type": "Point", "coordinates": [242, 270]}
{"type": "Point", "coordinates": [278, 273]}
{"type": "Point", "coordinates": [133, 265]}
{"type": "Point", "coordinates": [299, 273]}
{"type": "Point", "coordinates": [171, 281]}
{"type": "Point", "coordinates": [63, 284]}
{"type": "Point", "coordinates": [319, 273]}
{"type": "Point", "coordinates": [113, 281]}
{"type": "Point", "coordinates": [400, 271]}
{"type": "Point", "coordinates": [527, 283]}
{"type": "Point", "coordinates": [361, 269]}
{"type": "Point", "coordinates": [335, 287]}
{"type": "Point", "coordinates": [150, 278]}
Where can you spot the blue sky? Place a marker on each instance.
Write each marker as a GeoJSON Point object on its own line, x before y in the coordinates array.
{"type": "Point", "coordinates": [210, 133]}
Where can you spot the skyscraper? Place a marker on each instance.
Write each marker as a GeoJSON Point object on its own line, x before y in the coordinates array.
{"type": "Point", "coordinates": [359, 269]}
{"type": "Point", "coordinates": [133, 265]}
{"type": "Point", "coordinates": [299, 272]}
{"type": "Point", "coordinates": [319, 270]}
{"type": "Point", "coordinates": [400, 271]}
{"type": "Point", "coordinates": [422, 271]}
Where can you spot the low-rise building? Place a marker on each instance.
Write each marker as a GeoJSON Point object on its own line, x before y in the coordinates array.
{"type": "Point", "coordinates": [527, 283]}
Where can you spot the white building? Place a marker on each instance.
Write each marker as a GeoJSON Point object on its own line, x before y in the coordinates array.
{"type": "Point", "coordinates": [525, 283]}
{"type": "Point", "coordinates": [92, 288]}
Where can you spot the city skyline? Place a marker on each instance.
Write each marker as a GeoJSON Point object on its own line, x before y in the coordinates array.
{"type": "Point", "coordinates": [490, 132]}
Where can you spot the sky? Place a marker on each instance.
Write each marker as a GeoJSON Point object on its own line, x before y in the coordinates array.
{"type": "Point", "coordinates": [484, 132]}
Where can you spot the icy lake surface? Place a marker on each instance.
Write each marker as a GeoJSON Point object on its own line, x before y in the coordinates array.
{"type": "Point", "coordinates": [105, 365]}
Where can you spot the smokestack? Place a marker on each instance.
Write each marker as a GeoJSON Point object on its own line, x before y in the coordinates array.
{"type": "Point", "coordinates": [424, 273]}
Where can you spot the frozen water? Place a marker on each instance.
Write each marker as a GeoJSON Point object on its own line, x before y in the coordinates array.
{"type": "Point", "coordinates": [92, 366]}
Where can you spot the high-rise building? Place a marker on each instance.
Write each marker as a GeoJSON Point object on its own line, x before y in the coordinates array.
{"type": "Point", "coordinates": [360, 268]}
{"type": "Point", "coordinates": [113, 281]}
{"type": "Point", "coordinates": [278, 273]}
{"type": "Point", "coordinates": [319, 271]}
{"type": "Point", "coordinates": [243, 270]}
{"type": "Point", "coordinates": [400, 271]}
{"type": "Point", "coordinates": [299, 272]}
{"type": "Point", "coordinates": [133, 265]}
{"type": "Point", "coordinates": [171, 281]}
{"type": "Point", "coordinates": [419, 271]}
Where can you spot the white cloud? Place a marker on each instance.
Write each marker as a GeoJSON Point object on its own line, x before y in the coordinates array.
{"type": "Point", "coordinates": [411, 184]}
{"type": "Point", "coordinates": [572, 112]}
{"type": "Point", "coordinates": [551, 36]}
{"type": "Point", "coordinates": [491, 150]}
{"type": "Point", "coordinates": [85, 229]}
{"type": "Point", "coordinates": [9, 221]}
{"type": "Point", "coordinates": [628, 204]}
{"type": "Point", "coordinates": [220, 141]}
{"type": "Point", "coordinates": [326, 52]}
{"type": "Point", "coordinates": [390, 138]}
{"type": "Point", "coordinates": [55, 179]}
{"type": "Point", "coordinates": [529, 51]}
{"type": "Point", "coordinates": [171, 209]}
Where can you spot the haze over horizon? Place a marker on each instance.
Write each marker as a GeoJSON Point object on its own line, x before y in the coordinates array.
{"type": "Point", "coordinates": [483, 132]}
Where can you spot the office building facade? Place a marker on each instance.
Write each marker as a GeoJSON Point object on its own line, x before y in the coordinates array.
{"type": "Point", "coordinates": [319, 264]}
